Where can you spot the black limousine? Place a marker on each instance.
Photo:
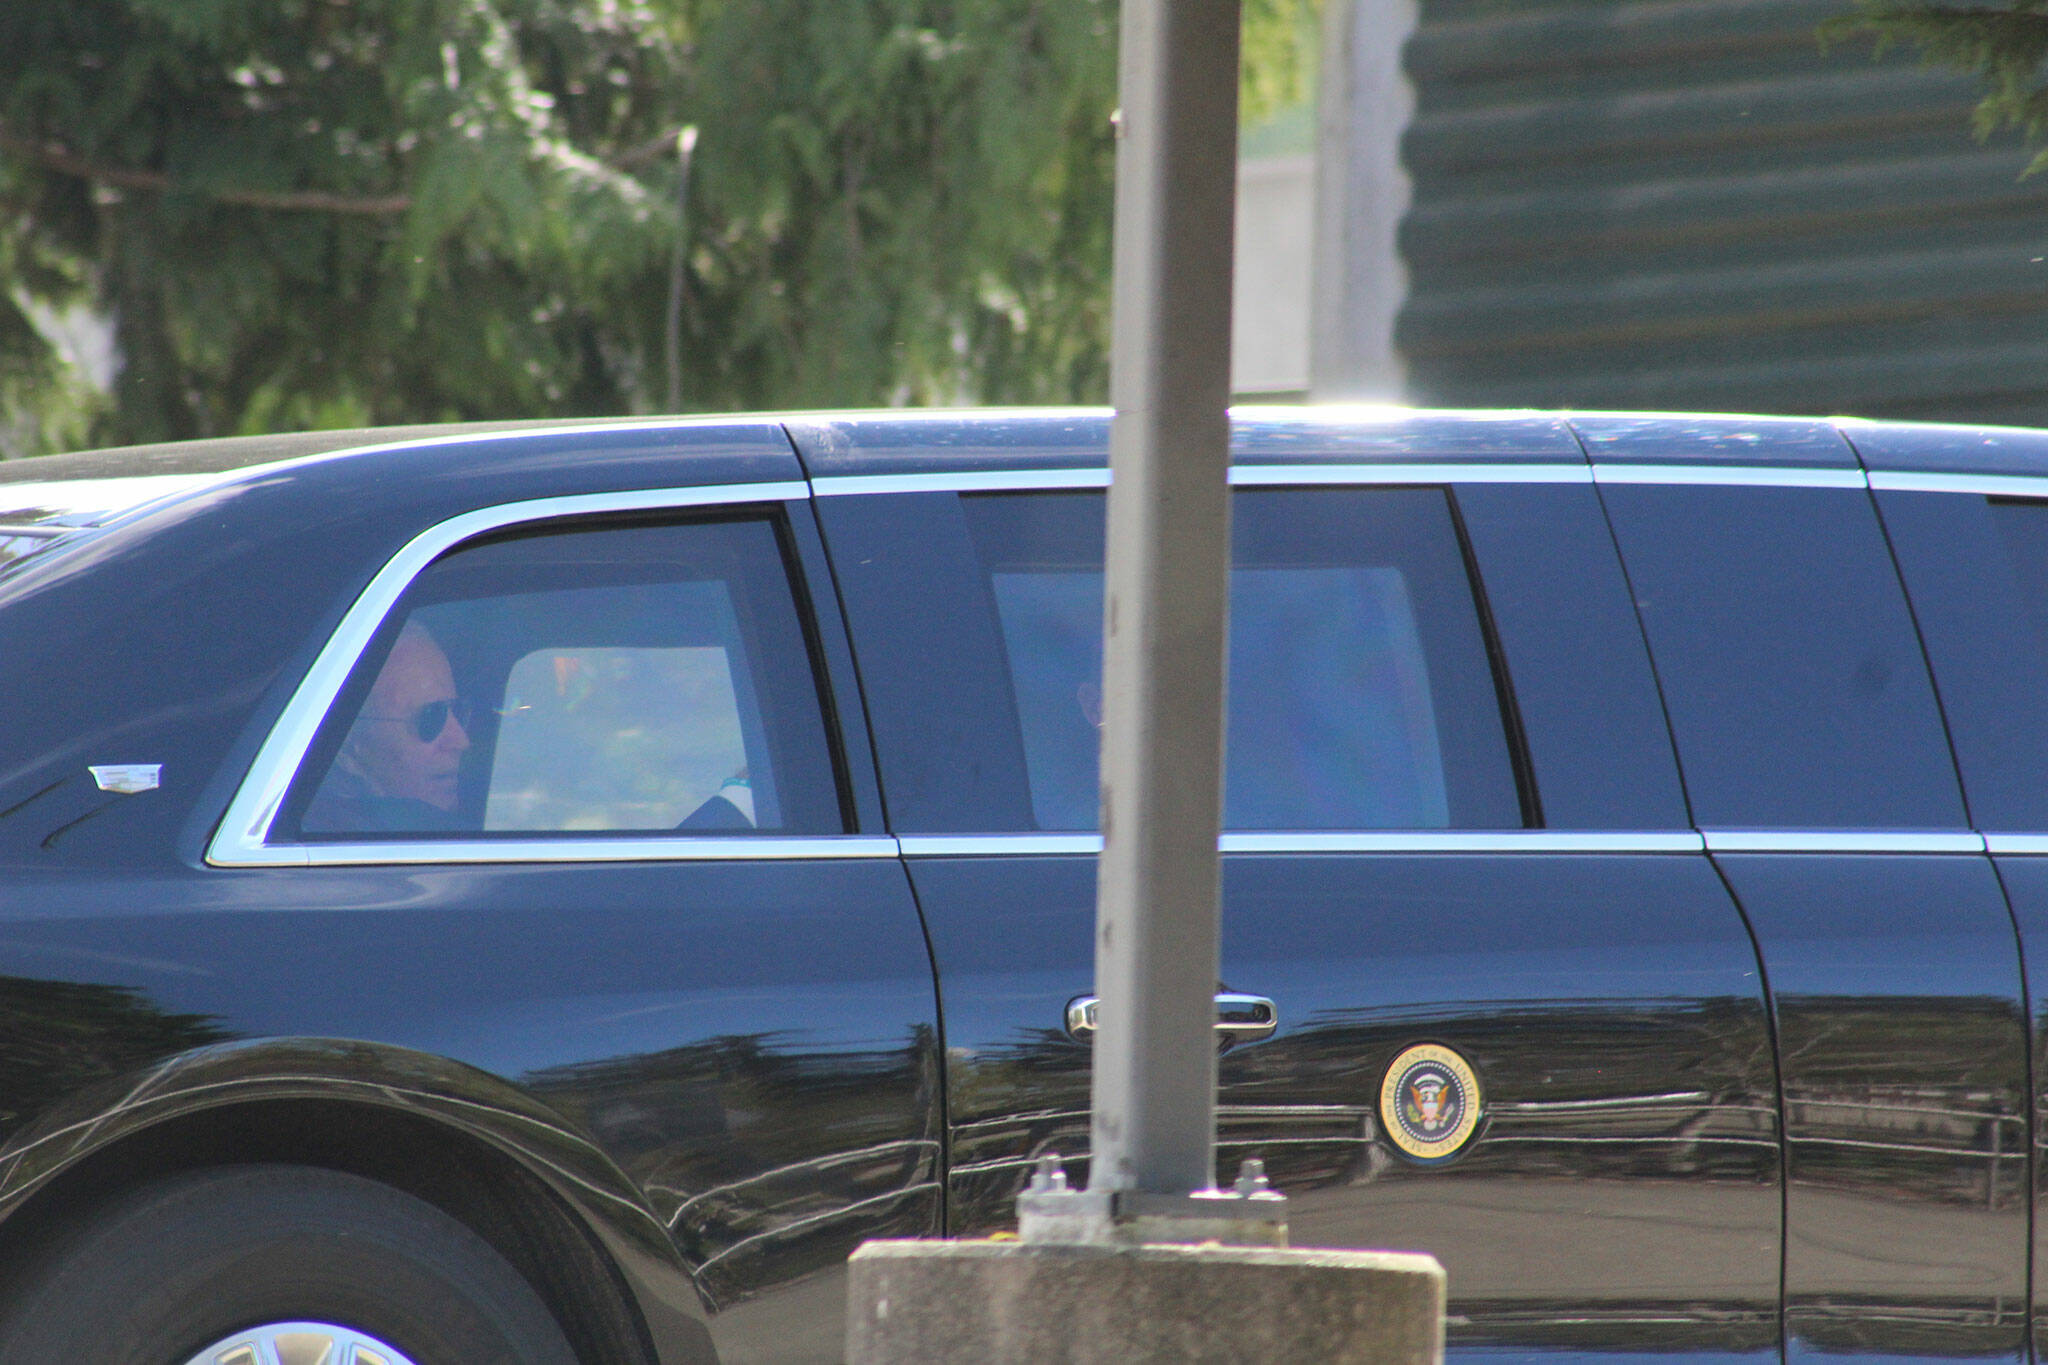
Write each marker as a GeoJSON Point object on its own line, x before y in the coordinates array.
{"type": "Point", "coordinates": [548, 893]}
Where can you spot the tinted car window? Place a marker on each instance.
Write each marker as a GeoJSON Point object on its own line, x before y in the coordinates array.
{"type": "Point", "coordinates": [1598, 745]}
{"type": "Point", "coordinates": [1361, 691]}
{"type": "Point", "coordinates": [1977, 568]}
{"type": "Point", "coordinates": [643, 679]}
{"type": "Point", "coordinates": [1797, 690]}
{"type": "Point", "coordinates": [618, 737]}
{"type": "Point", "coordinates": [2022, 528]}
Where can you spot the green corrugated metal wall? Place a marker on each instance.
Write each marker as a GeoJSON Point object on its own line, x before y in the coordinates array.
{"type": "Point", "coordinates": [1688, 205]}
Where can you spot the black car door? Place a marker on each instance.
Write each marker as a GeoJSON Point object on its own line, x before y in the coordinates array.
{"type": "Point", "coordinates": [1520, 1024]}
{"type": "Point", "coordinates": [1818, 768]}
{"type": "Point", "coordinates": [1967, 513]}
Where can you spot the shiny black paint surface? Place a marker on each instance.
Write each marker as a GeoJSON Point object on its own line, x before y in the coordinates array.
{"type": "Point", "coordinates": [2026, 888]}
{"type": "Point", "coordinates": [772, 1108]}
{"type": "Point", "coordinates": [1624, 1194]}
{"type": "Point", "coordinates": [346, 1089]}
{"type": "Point", "coordinates": [1902, 1028]}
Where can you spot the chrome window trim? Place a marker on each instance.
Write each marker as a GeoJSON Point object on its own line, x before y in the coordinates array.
{"type": "Point", "coordinates": [242, 839]}
{"type": "Point", "coordinates": [1989, 485]}
{"type": "Point", "coordinates": [1505, 841]}
{"type": "Point", "coordinates": [996, 845]}
{"type": "Point", "coordinates": [961, 481]}
{"type": "Point", "coordinates": [1257, 475]}
{"type": "Point", "coordinates": [1242, 476]}
{"type": "Point", "coordinates": [1359, 475]}
{"type": "Point", "coordinates": [1332, 841]}
{"type": "Point", "coordinates": [1842, 841]}
{"type": "Point", "coordinates": [1728, 476]}
{"type": "Point", "coordinates": [1466, 841]}
{"type": "Point", "coordinates": [653, 848]}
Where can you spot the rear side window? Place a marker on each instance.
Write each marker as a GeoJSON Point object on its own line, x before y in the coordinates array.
{"type": "Point", "coordinates": [1361, 692]}
{"type": "Point", "coordinates": [1797, 690]}
{"type": "Point", "coordinates": [627, 679]}
{"type": "Point", "coordinates": [1977, 569]}
{"type": "Point", "coordinates": [2022, 528]}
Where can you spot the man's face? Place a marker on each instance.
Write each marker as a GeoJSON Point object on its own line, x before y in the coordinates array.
{"type": "Point", "coordinates": [385, 747]}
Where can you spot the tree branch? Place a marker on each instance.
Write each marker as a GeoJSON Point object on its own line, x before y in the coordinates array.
{"type": "Point", "coordinates": [54, 156]}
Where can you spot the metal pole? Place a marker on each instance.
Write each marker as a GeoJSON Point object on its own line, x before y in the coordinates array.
{"type": "Point", "coordinates": [1050, 1295]}
{"type": "Point", "coordinates": [1157, 898]}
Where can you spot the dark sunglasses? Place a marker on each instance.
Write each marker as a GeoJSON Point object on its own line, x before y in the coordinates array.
{"type": "Point", "coordinates": [429, 720]}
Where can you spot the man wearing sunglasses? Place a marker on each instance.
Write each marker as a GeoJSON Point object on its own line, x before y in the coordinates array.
{"type": "Point", "coordinates": [399, 767]}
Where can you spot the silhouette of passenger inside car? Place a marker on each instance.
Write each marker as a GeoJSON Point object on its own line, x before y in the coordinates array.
{"type": "Point", "coordinates": [731, 807]}
{"type": "Point", "coordinates": [399, 767]}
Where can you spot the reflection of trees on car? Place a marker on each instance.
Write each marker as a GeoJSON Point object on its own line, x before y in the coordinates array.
{"type": "Point", "coordinates": [783, 1142]}
{"type": "Point", "coordinates": [58, 1037]}
{"type": "Point", "coordinates": [1261, 1110]}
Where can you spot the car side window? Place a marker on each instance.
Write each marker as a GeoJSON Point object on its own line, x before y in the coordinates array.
{"type": "Point", "coordinates": [1797, 689]}
{"type": "Point", "coordinates": [1977, 568]}
{"type": "Point", "coordinates": [617, 679]}
{"type": "Point", "coordinates": [2022, 527]}
{"type": "Point", "coordinates": [1361, 692]}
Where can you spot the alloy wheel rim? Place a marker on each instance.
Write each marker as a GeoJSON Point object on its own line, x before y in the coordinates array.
{"type": "Point", "coordinates": [300, 1343]}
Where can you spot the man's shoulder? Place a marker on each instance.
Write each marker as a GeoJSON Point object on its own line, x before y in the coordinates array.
{"type": "Point", "coordinates": [345, 805]}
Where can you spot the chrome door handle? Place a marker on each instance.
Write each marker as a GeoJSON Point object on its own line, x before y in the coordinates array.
{"type": "Point", "coordinates": [1239, 1018]}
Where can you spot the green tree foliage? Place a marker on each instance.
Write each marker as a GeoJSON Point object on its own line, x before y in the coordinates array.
{"type": "Point", "coordinates": [310, 213]}
{"type": "Point", "coordinates": [2004, 44]}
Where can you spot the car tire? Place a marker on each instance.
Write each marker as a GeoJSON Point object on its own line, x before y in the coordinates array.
{"type": "Point", "coordinates": [186, 1264]}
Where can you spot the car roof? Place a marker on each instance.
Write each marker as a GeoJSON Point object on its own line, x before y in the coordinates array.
{"type": "Point", "coordinates": [82, 487]}
{"type": "Point", "coordinates": [87, 488]}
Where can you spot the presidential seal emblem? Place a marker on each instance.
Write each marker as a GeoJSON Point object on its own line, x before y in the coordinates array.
{"type": "Point", "coordinates": [1429, 1102]}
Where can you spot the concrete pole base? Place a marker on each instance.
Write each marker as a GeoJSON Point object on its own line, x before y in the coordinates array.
{"type": "Point", "coordinates": [1024, 1303]}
